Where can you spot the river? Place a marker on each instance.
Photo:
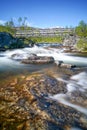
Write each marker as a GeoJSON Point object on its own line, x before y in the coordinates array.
{"type": "Point", "coordinates": [76, 82]}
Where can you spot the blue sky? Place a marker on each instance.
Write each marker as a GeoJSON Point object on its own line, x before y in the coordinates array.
{"type": "Point", "coordinates": [45, 13]}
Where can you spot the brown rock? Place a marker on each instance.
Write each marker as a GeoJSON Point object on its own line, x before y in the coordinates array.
{"type": "Point", "coordinates": [38, 60]}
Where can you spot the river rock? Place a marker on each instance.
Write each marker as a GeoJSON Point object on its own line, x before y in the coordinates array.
{"type": "Point", "coordinates": [5, 39]}
{"type": "Point", "coordinates": [38, 60]}
{"type": "Point", "coordinates": [70, 40]}
{"type": "Point", "coordinates": [19, 56]}
{"type": "Point", "coordinates": [64, 65]}
{"type": "Point", "coordinates": [25, 105]}
{"type": "Point", "coordinates": [69, 66]}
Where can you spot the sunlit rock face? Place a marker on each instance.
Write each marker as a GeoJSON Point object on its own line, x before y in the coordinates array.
{"type": "Point", "coordinates": [69, 40]}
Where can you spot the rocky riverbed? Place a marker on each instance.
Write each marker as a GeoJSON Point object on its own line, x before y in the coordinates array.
{"type": "Point", "coordinates": [25, 103]}
{"type": "Point", "coordinates": [39, 93]}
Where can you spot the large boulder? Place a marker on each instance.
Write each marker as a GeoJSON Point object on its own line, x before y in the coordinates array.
{"type": "Point", "coordinates": [22, 56]}
{"type": "Point", "coordinates": [70, 40]}
{"type": "Point", "coordinates": [65, 65]}
{"type": "Point", "coordinates": [38, 60]}
{"type": "Point", "coordinates": [5, 39]}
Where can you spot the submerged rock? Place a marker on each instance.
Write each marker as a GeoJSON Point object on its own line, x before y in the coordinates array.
{"type": "Point", "coordinates": [24, 105]}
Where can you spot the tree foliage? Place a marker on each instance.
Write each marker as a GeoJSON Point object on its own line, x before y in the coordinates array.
{"type": "Point", "coordinates": [20, 21]}
{"type": "Point", "coordinates": [16, 44]}
{"type": "Point", "coordinates": [82, 44]}
{"type": "Point", "coordinates": [81, 29]}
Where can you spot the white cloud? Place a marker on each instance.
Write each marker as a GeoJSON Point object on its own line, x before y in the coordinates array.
{"type": "Point", "coordinates": [51, 27]}
{"type": "Point", "coordinates": [2, 22]}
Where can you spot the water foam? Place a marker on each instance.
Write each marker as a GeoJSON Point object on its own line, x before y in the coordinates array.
{"type": "Point", "coordinates": [81, 80]}
{"type": "Point", "coordinates": [76, 83]}
{"type": "Point", "coordinates": [57, 54]}
{"type": "Point", "coordinates": [62, 99]}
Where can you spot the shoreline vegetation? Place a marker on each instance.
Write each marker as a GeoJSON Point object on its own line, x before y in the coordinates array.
{"type": "Point", "coordinates": [76, 37]}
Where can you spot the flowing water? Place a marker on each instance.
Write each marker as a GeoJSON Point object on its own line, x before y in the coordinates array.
{"type": "Point", "coordinates": [77, 82]}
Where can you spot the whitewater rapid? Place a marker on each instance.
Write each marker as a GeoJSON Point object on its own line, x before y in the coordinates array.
{"type": "Point", "coordinates": [76, 83]}
{"type": "Point", "coordinates": [56, 53]}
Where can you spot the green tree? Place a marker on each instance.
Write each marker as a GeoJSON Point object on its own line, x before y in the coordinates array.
{"type": "Point", "coordinates": [24, 21]}
{"type": "Point", "coordinates": [81, 29]}
{"type": "Point", "coordinates": [82, 44]}
{"type": "Point", "coordinates": [20, 21]}
{"type": "Point", "coordinates": [16, 44]}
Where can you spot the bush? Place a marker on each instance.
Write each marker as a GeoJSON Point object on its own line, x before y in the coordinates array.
{"type": "Point", "coordinates": [54, 39]}
{"type": "Point", "coordinates": [16, 44]}
{"type": "Point", "coordinates": [7, 29]}
{"type": "Point", "coordinates": [81, 29]}
{"type": "Point", "coordinates": [82, 44]}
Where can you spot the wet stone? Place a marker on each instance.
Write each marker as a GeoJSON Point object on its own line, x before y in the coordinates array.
{"type": "Point", "coordinates": [38, 60]}
{"type": "Point", "coordinates": [26, 106]}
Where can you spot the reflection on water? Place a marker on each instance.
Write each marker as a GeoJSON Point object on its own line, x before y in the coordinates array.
{"type": "Point", "coordinates": [10, 67]}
